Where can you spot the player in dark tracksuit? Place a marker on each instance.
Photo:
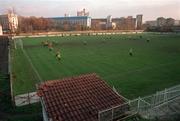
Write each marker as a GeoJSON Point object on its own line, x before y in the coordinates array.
{"type": "Point", "coordinates": [131, 52]}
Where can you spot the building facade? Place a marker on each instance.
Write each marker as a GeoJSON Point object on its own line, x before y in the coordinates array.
{"type": "Point", "coordinates": [98, 24]}
{"type": "Point", "coordinates": [151, 23]}
{"type": "Point", "coordinates": [131, 23]}
{"type": "Point", "coordinates": [109, 23]}
{"type": "Point", "coordinates": [9, 22]}
{"type": "Point", "coordinates": [72, 23]}
{"type": "Point", "coordinates": [128, 23]}
{"type": "Point", "coordinates": [1, 32]}
{"type": "Point", "coordinates": [120, 23]}
{"type": "Point", "coordinates": [170, 22]}
{"type": "Point", "coordinates": [123, 23]}
{"type": "Point", "coordinates": [139, 21]}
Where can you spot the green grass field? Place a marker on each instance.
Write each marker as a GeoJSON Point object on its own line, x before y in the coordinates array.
{"type": "Point", "coordinates": [153, 66]}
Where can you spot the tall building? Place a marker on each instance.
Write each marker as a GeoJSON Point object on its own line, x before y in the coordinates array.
{"type": "Point", "coordinates": [1, 32]}
{"type": "Point", "coordinates": [139, 22]}
{"type": "Point", "coordinates": [9, 22]}
{"type": "Point", "coordinates": [82, 13]}
{"type": "Point", "coordinates": [131, 23]}
{"type": "Point", "coordinates": [80, 22]}
{"type": "Point", "coordinates": [123, 23]}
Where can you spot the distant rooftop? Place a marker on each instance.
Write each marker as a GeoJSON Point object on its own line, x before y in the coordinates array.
{"type": "Point", "coordinates": [71, 17]}
{"type": "Point", "coordinates": [77, 98]}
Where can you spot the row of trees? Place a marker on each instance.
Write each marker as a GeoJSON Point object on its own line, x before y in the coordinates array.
{"type": "Point", "coordinates": [35, 24]}
{"type": "Point", "coordinates": [31, 24]}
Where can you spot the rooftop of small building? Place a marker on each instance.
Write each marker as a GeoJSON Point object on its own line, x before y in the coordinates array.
{"type": "Point", "coordinates": [77, 98]}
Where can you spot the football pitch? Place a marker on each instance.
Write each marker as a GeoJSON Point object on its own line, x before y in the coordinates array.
{"type": "Point", "coordinates": [154, 65]}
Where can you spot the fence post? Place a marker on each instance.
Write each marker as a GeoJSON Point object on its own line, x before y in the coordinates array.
{"type": "Point", "coordinates": [28, 98]}
{"type": "Point", "coordinates": [156, 98]}
{"type": "Point", "coordinates": [138, 104]}
{"type": "Point", "coordinates": [10, 72]}
{"type": "Point", "coordinates": [165, 95]}
{"type": "Point", "coordinates": [112, 114]}
{"type": "Point", "coordinates": [99, 119]}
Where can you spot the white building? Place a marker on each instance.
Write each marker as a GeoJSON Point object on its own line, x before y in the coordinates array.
{"type": "Point", "coordinates": [72, 22]}
{"type": "Point", "coordinates": [9, 22]}
{"type": "Point", "coordinates": [1, 32]}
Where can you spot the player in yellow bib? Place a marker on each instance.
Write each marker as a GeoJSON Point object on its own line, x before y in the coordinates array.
{"type": "Point", "coordinates": [58, 55]}
{"type": "Point", "coordinates": [50, 46]}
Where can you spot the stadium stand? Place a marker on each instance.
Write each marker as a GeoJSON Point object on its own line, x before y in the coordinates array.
{"type": "Point", "coordinates": [77, 98]}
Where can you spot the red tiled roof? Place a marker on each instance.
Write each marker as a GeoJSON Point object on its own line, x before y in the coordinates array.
{"type": "Point", "coordinates": [77, 98]}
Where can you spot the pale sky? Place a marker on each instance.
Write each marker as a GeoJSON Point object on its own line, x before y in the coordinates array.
{"type": "Point", "coordinates": [151, 9]}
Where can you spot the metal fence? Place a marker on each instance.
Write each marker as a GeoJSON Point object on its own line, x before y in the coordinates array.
{"type": "Point", "coordinates": [149, 107]}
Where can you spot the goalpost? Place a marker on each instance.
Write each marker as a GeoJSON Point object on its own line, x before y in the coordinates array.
{"type": "Point", "coordinates": [19, 43]}
{"type": "Point", "coordinates": [32, 74]}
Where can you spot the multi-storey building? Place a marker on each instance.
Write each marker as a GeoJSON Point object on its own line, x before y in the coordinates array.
{"type": "Point", "coordinates": [128, 23]}
{"type": "Point", "coordinates": [139, 22]}
{"type": "Point", "coordinates": [72, 22]}
{"type": "Point", "coordinates": [109, 23]}
{"type": "Point", "coordinates": [131, 23]}
{"type": "Point", "coordinates": [122, 23]}
{"type": "Point", "coordinates": [9, 22]}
